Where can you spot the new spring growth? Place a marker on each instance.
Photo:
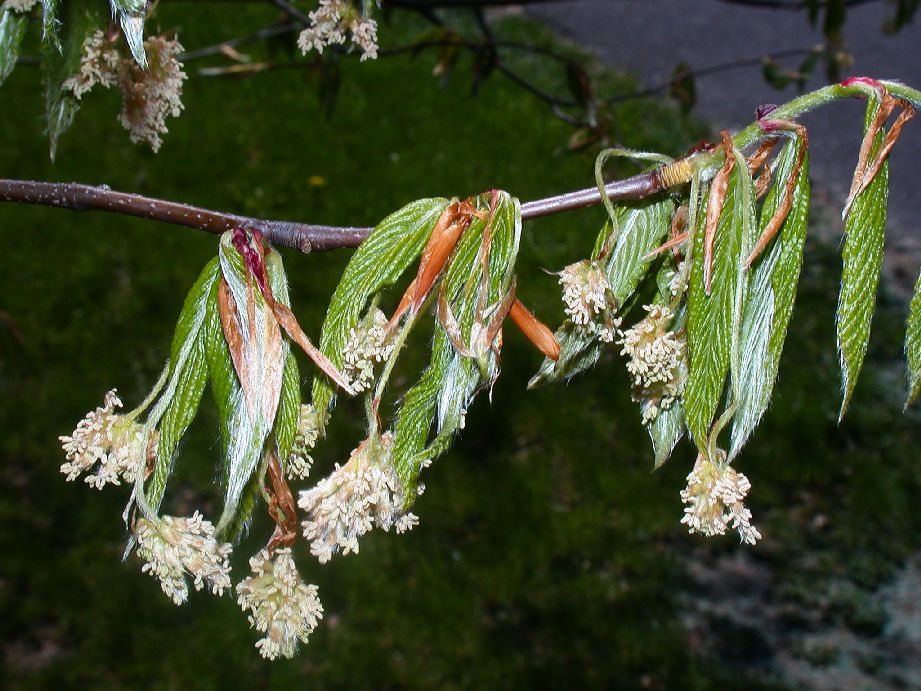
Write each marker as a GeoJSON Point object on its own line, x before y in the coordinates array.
{"type": "Point", "coordinates": [280, 604]}
{"type": "Point", "coordinates": [714, 498]}
{"type": "Point", "coordinates": [173, 548]}
{"type": "Point", "coordinates": [589, 301]}
{"type": "Point", "coordinates": [308, 431]}
{"type": "Point", "coordinates": [116, 446]}
{"type": "Point", "coordinates": [149, 95]}
{"type": "Point", "coordinates": [330, 23]}
{"type": "Point", "coordinates": [364, 493]}
{"type": "Point", "coordinates": [657, 361]}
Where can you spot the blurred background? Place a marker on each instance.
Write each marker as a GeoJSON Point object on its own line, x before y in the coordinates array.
{"type": "Point", "coordinates": [548, 552]}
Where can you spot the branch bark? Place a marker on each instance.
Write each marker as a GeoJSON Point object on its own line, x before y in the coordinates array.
{"type": "Point", "coordinates": [305, 237]}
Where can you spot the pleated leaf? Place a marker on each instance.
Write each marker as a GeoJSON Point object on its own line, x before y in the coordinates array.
{"type": "Point", "coordinates": [913, 345]}
{"type": "Point", "coordinates": [666, 431]}
{"type": "Point", "coordinates": [772, 291]}
{"type": "Point", "coordinates": [12, 30]}
{"type": "Point", "coordinates": [131, 14]}
{"type": "Point", "coordinates": [865, 229]}
{"type": "Point", "coordinates": [51, 23]}
{"type": "Point", "coordinates": [377, 263]}
{"type": "Point", "coordinates": [462, 286]}
{"type": "Point", "coordinates": [289, 403]}
{"type": "Point", "coordinates": [188, 375]}
{"type": "Point", "coordinates": [61, 56]}
{"type": "Point", "coordinates": [642, 228]}
{"type": "Point", "coordinates": [446, 388]}
{"type": "Point", "coordinates": [710, 317]}
{"type": "Point", "coordinates": [259, 365]}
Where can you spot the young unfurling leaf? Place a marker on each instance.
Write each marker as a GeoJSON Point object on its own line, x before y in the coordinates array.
{"type": "Point", "coordinates": [380, 260]}
{"type": "Point", "coordinates": [641, 228]}
{"type": "Point", "coordinates": [12, 30]}
{"type": "Point", "coordinates": [865, 229]}
{"type": "Point", "coordinates": [913, 345]}
{"type": "Point", "coordinates": [80, 19]}
{"type": "Point", "coordinates": [186, 379]}
{"type": "Point", "coordinates": [710, 316]}
{"type": "Point", "coordinates": [772, 290]}
{"type": "Point", "coordinates": [446, 388]}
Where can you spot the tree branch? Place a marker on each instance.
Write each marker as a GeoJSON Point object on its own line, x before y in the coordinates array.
{"type": "Point", "coordinates": [77, 197]}
{"type": "Point", "coordinates": [305, 237]}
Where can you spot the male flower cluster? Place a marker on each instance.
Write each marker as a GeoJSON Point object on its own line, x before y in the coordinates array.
{"type": "Point", "coordinates": [281, 605]}
{"type": "Point", "coordinates": [714, 498]}
{"type": "Point", "coordinates": [117, 444]}
{"type": "Point", "coordinates": [149, 95]}
{"type": "Point", "coordinates": [656, 361]}
{"type": "Point", "coordinates": [308, 431]}
{"type": "Point", "coordinates": [21, 6]}
{"type": "Point", "coordinates": [364, 493]}
{"type": "Point", "coordinates": [588, 299]}
{"type": "Point", "coordinates": [329, 24]}
{"type": "Point", "coordinates": [369, 343]}
{"type": "Point", "coordinates": [173, 547]}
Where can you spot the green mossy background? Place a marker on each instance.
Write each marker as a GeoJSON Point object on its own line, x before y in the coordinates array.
{"type": "Point", "coordinates": [548, 554]}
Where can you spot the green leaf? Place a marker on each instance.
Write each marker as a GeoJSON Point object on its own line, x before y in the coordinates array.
{"type": "Point", "coordinates": [262, 356]}
{"type": "Point", "coordinates": [812, 7]}
{"type": "Point", "coordinates": [772, 291]}
{"type": "Point", "coordinates": [710, 317]}
{"type": "Point", "coordinates": [51, 23]}
{"type": "Point", "coordinates": [190, 380]}
{"type": "Point", "coordinates": [835, 14]}
{"type": "Point", "coordinates": [414, 419]}
{"type": "Point", "coordinates": [903, 12]}
{"type": "Point", "coordinates": [289, 406]}
{"type": "Point", "coordinates": [377, 263]}
{"type": "Point", "coordinates": [446, 388]}
{"type": "Point", "coordinates": [462, 289]}
{"type": "Point", "coordinates": [642, 228]}
{"type": "Point", "coordinates": [61, 55]}
{"type": "Point", "coordinates": [913, 345]}
{"type": "Point", "coordinates": [12, 30]}
{"type": "Point", "coordinates": [666, 431]}
{"type": "Point", "coordinates": [225, 387]}
{"type": "Point", "coordinates": [865, 229]}
{"type": "Point", "coordinates": [188, 374]}
{"type": "Point", "coordinates": [131, 15]}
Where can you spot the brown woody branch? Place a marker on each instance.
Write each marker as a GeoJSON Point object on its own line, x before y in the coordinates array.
{"type": "Point", "coordinates": [306, 237]}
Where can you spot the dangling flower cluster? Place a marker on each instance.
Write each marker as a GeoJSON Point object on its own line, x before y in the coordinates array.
{"type": "Point", "coordinates": [149, 95]}
{"type": "Point", "coordinates": [369, 343]}
{"type": "Point", "coordinates": [21, 6]}
{"type": "Point", "coordinates": [99, 65]}
{"type": "Point", "coordinates": [679, 280]}
{"type": "Point", "coordinates": [656, 361]}
{"type": "Point", "coordinates": [119, 445]}
{"type": "Point", "coordinates": [308, 431]}
{"type": "Point", "coordinates": [283, 607]}
{"type": "Point", "coordinates": [173, 547]}
{"type": "Point", "coordinates": [714, 498]}
{"type": "Point", "coordinates": [589, 302]}
{"type": "Point", "coordinates": [329, 24]}
{"type": "Point", "coordinates": [364, 493]}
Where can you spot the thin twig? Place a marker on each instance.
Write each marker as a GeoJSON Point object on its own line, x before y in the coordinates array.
{"type": "Point", "coordinates": [306, 237]}
{"type": "Point", "coordinates": [77, 197]}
